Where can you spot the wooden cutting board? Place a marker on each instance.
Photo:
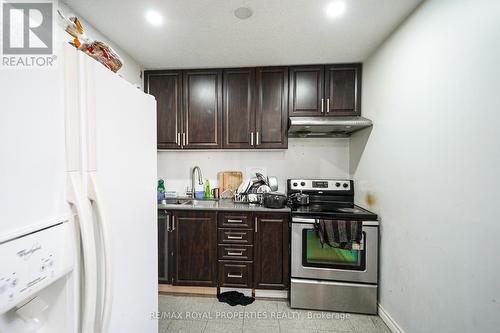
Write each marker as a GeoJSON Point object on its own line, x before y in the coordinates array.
{"type": "Point", "coordinates": [230, 179]}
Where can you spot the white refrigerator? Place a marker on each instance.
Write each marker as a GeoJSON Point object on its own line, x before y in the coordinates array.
{"type": "Point", "coordinates": [78, 242]}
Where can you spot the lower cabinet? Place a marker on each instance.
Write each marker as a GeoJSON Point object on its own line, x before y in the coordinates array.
{"type": "Point", "coordinates": [235, 274]}
{"type": "Point", "coordinates": [194, 254]}
{"type": "Point", "coordinates": [271, 251]}
{"type": "Point", "coordinates": [225, 249]}
{"type": "Point", "coordinates": [163, 247]}
{"type": "Point", "coordinates": [236, 250]}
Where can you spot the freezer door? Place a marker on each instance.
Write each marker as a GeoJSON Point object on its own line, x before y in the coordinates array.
{"type": "Point", "coordinates": [121, 164]}
{"type": "Point", "coordinates": [32, 151]}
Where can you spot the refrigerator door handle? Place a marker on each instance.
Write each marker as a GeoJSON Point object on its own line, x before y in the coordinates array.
{"type": "Point", "coordinates": [76, 198]}
{"type": "Point", "coordinates": [101, 223]}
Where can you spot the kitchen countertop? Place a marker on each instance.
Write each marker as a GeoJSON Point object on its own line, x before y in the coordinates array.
{"type": "Point", "coordinates": [221, 205]}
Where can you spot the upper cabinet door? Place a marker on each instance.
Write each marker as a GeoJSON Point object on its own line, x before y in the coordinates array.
{"type": "Point", "coordinates": [166, 87]}
{"type": "Point", "coordinates": [202, 109]}
{"type": "Point", "coordinates": [343, 90]}
{"type": "Point", "coordinates": [306, 91]}
{"type": "Point", "coordinates": [272, 108]}
{"type": "Point", "coordinates": [238, 105]}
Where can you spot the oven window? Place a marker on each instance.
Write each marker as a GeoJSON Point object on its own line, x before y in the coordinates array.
{"type": "Point", "coordinates": [315, 255]}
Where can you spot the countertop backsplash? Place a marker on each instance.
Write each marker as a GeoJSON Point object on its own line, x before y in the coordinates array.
{"type": "Point", "coordinates": [312, 158]}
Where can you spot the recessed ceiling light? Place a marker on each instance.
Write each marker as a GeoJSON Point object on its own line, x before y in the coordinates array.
{"type": "Point", "coordinates": [154, 18]}
{"type": "Point", "coordinates": [335, 9]}
{"type": "Point", "coordinates": [243, 13]}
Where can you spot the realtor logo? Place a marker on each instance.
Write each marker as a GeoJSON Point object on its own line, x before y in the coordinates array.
{"type": "Point", "coordinates": [27, 34]}
{"type": "Point", "coordinates": [27, 28]}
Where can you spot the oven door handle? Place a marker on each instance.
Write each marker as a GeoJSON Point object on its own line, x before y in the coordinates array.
{"type": "Point", "coordinates": [303, 220]}
{"type": "Point", "coordinates": [312, 221]}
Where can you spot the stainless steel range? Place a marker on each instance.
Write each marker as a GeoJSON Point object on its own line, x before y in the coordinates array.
{"type": "Point", "coordinates": [324, 277]}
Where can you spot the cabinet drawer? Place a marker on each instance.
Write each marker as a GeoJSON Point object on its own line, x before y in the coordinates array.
{"type": "Point", "coordinates": [236, 252]}
{"type": "Point", "coordinates": [235, 274]}
{"type": "Point", "coordinates": [235, 220]}
{"type": "Point", "coordinates": [236, 236]}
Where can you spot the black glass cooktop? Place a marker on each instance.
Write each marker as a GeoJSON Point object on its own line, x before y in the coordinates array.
{"type": "Point", "coordinates": [334, 211]}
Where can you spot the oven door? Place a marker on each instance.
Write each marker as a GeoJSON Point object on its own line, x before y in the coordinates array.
{"type": "Point", "coordinates": [310, 260]}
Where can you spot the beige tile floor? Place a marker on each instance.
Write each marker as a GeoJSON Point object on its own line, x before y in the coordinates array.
{"type": "Point", "coordinates": [208, 315]}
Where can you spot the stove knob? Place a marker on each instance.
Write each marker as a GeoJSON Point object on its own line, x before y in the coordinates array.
{"type": "Point", "coordinates": [295, 184]}
{"type": "Point", "coordinates": [302, 184]}
{"type": "Point", "coordinates": [345, 185]}
{"type": "Point", "coordinates": [337, 184]}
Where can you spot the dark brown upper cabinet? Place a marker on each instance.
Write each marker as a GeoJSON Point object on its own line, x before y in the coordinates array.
{"type": "Point", "coordinates": [343, 90]}
{"type": "Point", "coordinates": [202, 109]}
{"type": "Point", "coordinates": [306, 91]}
{"type": "Point", "coordinates": [247, 108]}
{"type": "Point", "coordinates": [166, 87]}
{"type": "Point", "coordinates": [255, 108]}
{"type": "Point", "coordinates": [238, 106]}
{"type": "Point", "coordinates": [271, 115]}
{"type": "Point", "coordinates": [331, 90]}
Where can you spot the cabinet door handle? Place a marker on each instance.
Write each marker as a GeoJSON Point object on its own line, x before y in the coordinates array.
{"type": "Point", "coordinates": [251, 138]}
{"type": "Point", "coordinates": [322, 105]}
{"type": "Point", "coordinates": [234, 237]}
{"type": "Point", "coordinates": [178, 141]}
{"type": "Point", "coordinates": [173, 223]}
{"type": "Point", "coordinates": [328, 105]}
{"type": "Point", "coordinates": [168, 223]}
{"type": "Point", "coordinates": [184, 139]}
{"type": "Point", "coordinates": [257, 138]}
{"type": "Point", "coordinates": [234, 221]}
{"type": "Point", "coordinates": [239, 276]}
{"type": "Point", "coordinates": [230, 253]}
{"type": "Point", "coordinates": [256, 224]}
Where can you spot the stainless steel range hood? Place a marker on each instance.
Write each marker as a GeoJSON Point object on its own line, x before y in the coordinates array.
{"type": "Point", "coordinates": [323, 127]}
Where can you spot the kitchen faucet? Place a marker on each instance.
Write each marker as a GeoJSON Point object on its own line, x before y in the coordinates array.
{"type": "Point", "coordinates": [200, 180]}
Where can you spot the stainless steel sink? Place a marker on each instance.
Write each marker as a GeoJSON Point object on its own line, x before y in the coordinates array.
{"type": "Point", "coordinates": [200, 202]}
{"type": "Point", "coordinates": [177, 201]}
{"type": "Point", "coordinates": [188, 201]}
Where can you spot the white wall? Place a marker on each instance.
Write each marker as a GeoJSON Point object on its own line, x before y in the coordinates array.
{"type": "Point", "coordinates": [303, 158]}
{"type": "Point", "coordinates": [432, 163]}
{"type": "Point", "coordinates": [131, 69]}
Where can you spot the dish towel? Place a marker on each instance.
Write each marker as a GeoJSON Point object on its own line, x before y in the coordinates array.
{"type": "Point", "coordinates": [339, 233]}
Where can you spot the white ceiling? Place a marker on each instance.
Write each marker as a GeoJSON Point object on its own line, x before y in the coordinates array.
{"type": "Point", "coordinates": [205, 33]}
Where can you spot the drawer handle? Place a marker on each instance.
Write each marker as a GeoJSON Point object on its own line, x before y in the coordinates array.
{"type": "Point", "coordinates": [239, 276]}
{"type": "Point", "coordinates": [229, 253]}
{"type": "Point", "coordinates": [234, 237]}
{"type": "Point", "coordinates": [234, 221]}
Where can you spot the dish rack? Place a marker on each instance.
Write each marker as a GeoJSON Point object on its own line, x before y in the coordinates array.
{"type": "Point", "coordinates": [251, 198]}
{"type": "Point", "coordinates": [241, 198]}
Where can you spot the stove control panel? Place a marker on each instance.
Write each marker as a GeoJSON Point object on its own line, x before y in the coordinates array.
{"type": "Point", "coordinates": [32, 262]}
{"type": "Point", "coordinates": [336, 185]}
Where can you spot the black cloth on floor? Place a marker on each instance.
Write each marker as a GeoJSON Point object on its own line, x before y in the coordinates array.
{"type": "Point", "coordinates": [235, 298]}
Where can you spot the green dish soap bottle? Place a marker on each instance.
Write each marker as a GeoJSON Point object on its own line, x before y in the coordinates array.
{"type": "Point", "coordinates": [207, 189]}
{"type": "Point", "coordinates": [160, 194]}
